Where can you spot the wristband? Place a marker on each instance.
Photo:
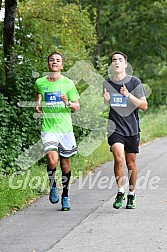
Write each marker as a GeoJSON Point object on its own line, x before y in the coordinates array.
{"type": "Point", "coordinates": [129, 95]}
{"type": "Point", "coordinates": [69, 104]}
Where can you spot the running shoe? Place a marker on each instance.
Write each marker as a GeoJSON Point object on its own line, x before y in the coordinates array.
{"type": "Point", "coordinates": [131, 202]}
{"type": "Point", "coordinates": [118, 200]}
{"type": "Point", "coordinates": [65, 204]}
{"type": "Point", "coordinates": [53, 196]}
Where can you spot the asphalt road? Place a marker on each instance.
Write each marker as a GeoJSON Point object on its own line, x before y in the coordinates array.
{"type": "Point", "coordinates": [92, 224]}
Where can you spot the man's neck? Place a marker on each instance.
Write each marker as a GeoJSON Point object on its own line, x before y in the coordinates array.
{"type": "Point", "coordinates": [54, 76]}
{"type": "Point", "coordinates": [119, 77]}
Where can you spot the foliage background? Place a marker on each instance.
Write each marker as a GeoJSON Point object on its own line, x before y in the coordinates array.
{"type": "Point", "coordinates": [82, 30]}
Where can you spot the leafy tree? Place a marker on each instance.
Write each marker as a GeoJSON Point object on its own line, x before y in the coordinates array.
{"type": "Point", "coordinates": [138, 29]}
{"type": "Point", "coordinates": [52, 25]}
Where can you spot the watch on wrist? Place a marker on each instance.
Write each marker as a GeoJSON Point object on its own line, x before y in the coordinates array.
{"type": "Point", "coordinates": [129, 95]}
{"type": "Point", "coordinates": [68, 105]}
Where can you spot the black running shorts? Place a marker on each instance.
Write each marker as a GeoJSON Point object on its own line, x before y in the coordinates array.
{"type": "Point", "coordinates": [131, 143]}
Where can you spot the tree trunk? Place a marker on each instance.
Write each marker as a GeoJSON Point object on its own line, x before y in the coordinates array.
{"type": "Point", "coordinates": [8, 43]}
{"type": "Point", "coordinates": [9, 26]}
{"type": "Point", "coordinates": [0, 4]}
{"type": "Point", "coordinates": [98, 31]}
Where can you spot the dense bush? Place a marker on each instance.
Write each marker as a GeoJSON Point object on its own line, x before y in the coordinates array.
{"type": "Point", "coordinates": [17, 122]}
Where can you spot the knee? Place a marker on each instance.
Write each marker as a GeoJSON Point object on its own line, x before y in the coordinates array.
{"type": "Point", "coordinates": [65, 166]}
{"type": "Point", "coordinates": [131, 165]}
{"type": "Point", "coordinates": [52, 158]}
{"type": "Point", "coordinates": [52, 162]}
{"type": "Point", "coordinates": [119, 161]}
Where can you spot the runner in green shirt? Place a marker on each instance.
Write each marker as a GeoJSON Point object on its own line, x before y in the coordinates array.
{"type": "Point", "coordinates": [56, 96]}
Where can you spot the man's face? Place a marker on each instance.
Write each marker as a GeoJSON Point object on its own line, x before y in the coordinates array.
{"type": "Point", "coordinates": [55, 63]}
{"type": "Point", "coordinates": [119, 63]}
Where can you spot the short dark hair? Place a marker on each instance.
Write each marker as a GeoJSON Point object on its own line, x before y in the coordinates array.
{"type": "Point", "coordinates": [118, 52]}
{"type": "Point", "coordinates": [56, 52]}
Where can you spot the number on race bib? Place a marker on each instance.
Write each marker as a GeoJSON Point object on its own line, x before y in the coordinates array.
{"type": "Point", "coordinates": [118, 100]}
{"type": "Point", "coordinates": [53, 98]}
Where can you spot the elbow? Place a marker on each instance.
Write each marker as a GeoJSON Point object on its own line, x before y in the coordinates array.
{"type": "Point", "coordinates": [144, 109]}
{"type": "Point", "coordinates": [144, 106]}
{"type": "Point", "coordinates": [77, 108]}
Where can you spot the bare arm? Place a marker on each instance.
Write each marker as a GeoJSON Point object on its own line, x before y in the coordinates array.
{"type": "Point", "coordinates": [140, 103]}
{"type": "Point", "coordinates": [38, 99]}
{"type": "Point", "coordinates": [73, 105]}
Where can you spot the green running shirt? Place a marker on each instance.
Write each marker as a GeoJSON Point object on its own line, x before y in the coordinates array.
{"type": "Point", "coordinates": [56, 117]}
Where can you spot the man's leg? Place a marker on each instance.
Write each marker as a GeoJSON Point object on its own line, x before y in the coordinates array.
{"type": "Point", "coordinates": [132, 174]}
{"type": "Point", "coordinates": [66, 174]}
{"type": "Point", "coordinates": [118, 152]}
{"type": "Point", "coordinates": [132, 170]}
{"type": "Point", "coordinates": [52, 158]}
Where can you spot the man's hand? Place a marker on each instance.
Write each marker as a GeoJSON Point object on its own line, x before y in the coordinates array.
{"type": "Point", "coordinates": [38, 108]}
{"type": "Point", "coordinates": [124, 91]}
{"type": "Point", "coordinates": [64, 99]}
{"type": "Point", "coordinates": [106, 96]}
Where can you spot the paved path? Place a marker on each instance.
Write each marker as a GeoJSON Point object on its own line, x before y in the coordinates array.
{"type": "Point", "coordinates": [92, 224]}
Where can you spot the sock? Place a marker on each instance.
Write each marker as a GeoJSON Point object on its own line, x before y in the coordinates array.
{"type": "Point", "coordinates": [121, 189]}
{"type": "Point", "coordinates": [65, 183]}
{"type": "Point", "coordinates": [131, 193]}
{"type": "Point", "coordinates": [51, 176]}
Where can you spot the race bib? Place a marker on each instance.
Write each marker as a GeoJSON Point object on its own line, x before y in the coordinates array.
{"type": "Point", "coordinates": [118, 100]}
{"type": "Point", "coordinates": [53, 98]}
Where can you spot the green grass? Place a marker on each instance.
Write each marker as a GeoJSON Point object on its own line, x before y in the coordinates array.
{"type": "Point", "coordinates": [20, 190]}
{"type": "Point", "coordinates": [16, 190]}
{"type": "Point", "coordinates": [153, 125]}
